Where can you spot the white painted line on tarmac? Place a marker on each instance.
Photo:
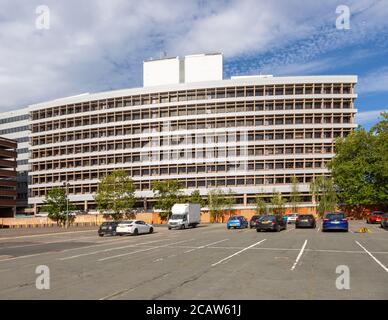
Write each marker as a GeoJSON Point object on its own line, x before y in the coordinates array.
{"type": "Point", "coordinates": [299, 255]}
{"type": "Point", "coordinates": [107, 250]}
{"type": "Point", "coordinates": [133, 252]}
{"type": "Point", "coordinates": [107, 242]}
{"type": "Point", "coordinates": [47, 234]}
{"type": "Point", "coordinates": [288, 230]}
{"type": "Point", "coordinates": [319, 228]}
{"type": "Point", "coordinates": [44, 243]}
{"type": "Point", "coordinates": [204, 246]}
{"type": "Point", "coordinates": [373, 257]}
{"type": "Point", "coordinates": [235, 254]}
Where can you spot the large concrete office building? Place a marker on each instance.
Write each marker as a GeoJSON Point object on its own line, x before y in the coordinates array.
{"type": "Point", "coordinates": [8, 182]}
{"type": "Point", "coordinates": [249, 134]}
{"type": "Point", "coordinates": [15, 125]}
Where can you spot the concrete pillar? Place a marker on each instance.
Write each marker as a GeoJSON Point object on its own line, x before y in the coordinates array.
{"type": "Point", "coordinates": [245, 200]}
{"type": "Point", "coordinates": [86, 206]}
{"type": "Point", "coordinates": [35, 209]}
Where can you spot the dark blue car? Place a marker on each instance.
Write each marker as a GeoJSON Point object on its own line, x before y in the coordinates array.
{"type": "Point", "coordinates": [335, 221]}
{"type": "Point", "coordinates": [237, 222]}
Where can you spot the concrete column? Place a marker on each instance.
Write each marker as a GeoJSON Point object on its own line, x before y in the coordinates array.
{"type": "Point", "coordinates": [86, 205]}
{"type": "Point", "coordinates": [35, 209]}
{"type": "Point", "coordinates": [245, 200]}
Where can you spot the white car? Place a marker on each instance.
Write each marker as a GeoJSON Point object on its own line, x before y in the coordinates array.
{"type": "Point", "coordinates": [291, 218]}
{"type": "Point", "coordinates": [134, 227]}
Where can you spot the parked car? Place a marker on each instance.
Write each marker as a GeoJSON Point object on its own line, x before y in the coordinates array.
{"type": "Point", "coordinates": [335, 221]}
{"type": "Point", "coordinates": [252, 222]}
{"type": "Point", "coordinates": [108, 228]}
{"type": "Point", "coordinates": [271, 222]}
{"type": "Point", "coordinates": [237, 222]}
{"type": "Point", "coordinates": [133, 227]}
{"type": "Point", "coordinates": [384, 221]}
{"type": "Point", "coordinates": [374, 217]}
{"type": "Point", "coordinates": [291, 218]}
{"type": "Point", "coordinates": [305, 220]}
{"type": "Point", "coordinates": [285, 217]}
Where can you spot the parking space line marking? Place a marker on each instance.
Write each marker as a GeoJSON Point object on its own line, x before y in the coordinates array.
{"type": "Point", "coordinates": [107, 242]}
{"type": "Point", "coordinates": [43, 243]}
{"type": "Point", "coordinates": [319, 228]}
{"type": "Point", "coordinates": [299, 255]}
{"type": "Point", "coordinates": [47, 234]}
{"type": "Point", "coordinates": [204, 246]}
{"type": "Point", "coordinates": [290, 229]}
{"type": "Point", "coordinates": [373, 257]}
{"type": "Point", "coordinates": [133, 252]}
{"type": "Point", "coordinates": [238, 252]}
{"type": "Point", "coordinates": [107, 250]}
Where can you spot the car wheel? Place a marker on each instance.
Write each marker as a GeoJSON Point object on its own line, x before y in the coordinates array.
{"type": "Point", "coordinates": [114, 233]}
{"type": "Point", "coordinates": [278, 228]}
{"type": "Point", "coordinates": [101, 235]}
{"type": "Point", "coordinates": [151, 230]}
{"type": "Point", "coordinates": [135, 232]}
{"type": "Point", "coordinates": [257, 230]}
{"type": "Point", "coordinates": [169, 228]}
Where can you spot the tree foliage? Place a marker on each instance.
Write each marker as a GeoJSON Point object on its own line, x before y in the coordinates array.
{"type": "Point", "coordinates": [278, 203]}
{"type": "Point", "coordinates": [322, 189]}
{"type": "Point", "coordinates": [261, 206]}
{"type": "Point", "coordinates": [195, 197]}
{"type": "Point", "coordinates": [295, 195]}
{"type": "Point", "coordinates": [116, 194]}
{"type": "Point", "coordinates": [360, 166]}
{"type": "Point", "coordinates": [219, 202]}
{"type": "Point", "coordinates": [57, 206]}
{"type": "Point", "coordinates": [167, 193]}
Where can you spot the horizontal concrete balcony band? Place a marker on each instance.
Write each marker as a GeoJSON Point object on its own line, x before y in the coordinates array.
{"type": "Point", "coordinates": [203, 175]}
{"type": "Point", "coordinates": [349, 111]}
{"type": "Point", "coordinates": [205, 130]}
{"type": "Point", "coordinates": [191, 161]}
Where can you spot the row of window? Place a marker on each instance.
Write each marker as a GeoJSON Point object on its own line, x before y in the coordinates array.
{"type": "Point", "coordinates": [174, 111]}
{"type": "Point", "coordinates": [212, 168]}
{"type": "Point", "coordinates": [13, 130]}
{"type": "Point", "coordinates": [15, 119]}
{"type": "Point", "coordinates": [186, 140]}
{"type": "Point", "coordinates": [199, 182]}
{"type": "Point", "coordinates": [186, 125]}
{"type": "Point", "coordinates": [190, 95]}
{"type": "Point", "coordinates": [177, 155]}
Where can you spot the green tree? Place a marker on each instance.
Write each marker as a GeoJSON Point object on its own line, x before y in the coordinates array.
{"type": "Point", "coordinates": [261, 206]}
{"type": "Point", "coordinates": [167, 193]}
{"type": "Point", "coordinates": [295, 195]}
{"type": "Point", "coordinates": [216, 204]}
{"type": "Point", "coordinates": [116, 194]}
{"type": "Point", "coordinates": [277, 203]}
{"type": "Point", "coordinates": [229, 201]}
{"type": "Point", "coordinates": [360, 166]}
{"type": "Point", "coordinates": [322, 189]}
{"type": "Point", "coordinates": [57, 206]}
{"type": "Point", "coordinates": [195, 197]}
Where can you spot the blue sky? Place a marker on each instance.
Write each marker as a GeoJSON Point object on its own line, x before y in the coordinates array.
{"type": "Point", "coordinates": [99, 45]}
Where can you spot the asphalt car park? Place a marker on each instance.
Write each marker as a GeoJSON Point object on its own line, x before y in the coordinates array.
{"type": "Point", "coordinates": [208, 262]}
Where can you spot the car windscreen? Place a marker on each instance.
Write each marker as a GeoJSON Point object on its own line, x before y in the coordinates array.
{"type": "Point", "coordinates": [234, 218]}
{"type": "Point", "coordinates": [126, 222]}
{"type": "Point", "coordinates": [377, 213]}
{"type": "Point", "coordinates": [269, 217]}
{"type": "Point", "coordinates": [335, 216]}
{"type": "Point", "coordinates": [256, 217]}
{"type": "Point", "coordinates": [177, 216]}
{"type": "Point", "coordinates": [306, 216]}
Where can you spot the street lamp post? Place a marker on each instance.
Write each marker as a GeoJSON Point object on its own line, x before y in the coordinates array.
{"type": "Point", "coordinates": [66, 185]}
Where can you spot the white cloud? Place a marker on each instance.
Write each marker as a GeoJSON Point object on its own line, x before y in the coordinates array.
{"type": "Point", "coordinates": [376, 81]}
{"type": "Point", "coordinates": [100, 45]}
{"type": "Point", "coordinates": [369, 117]}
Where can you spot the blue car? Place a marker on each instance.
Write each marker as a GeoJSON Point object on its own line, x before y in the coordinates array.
{"type": "Point", "coordinates": [335, 221]}
{"type": "Point", "coordinates": [237, 222]}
